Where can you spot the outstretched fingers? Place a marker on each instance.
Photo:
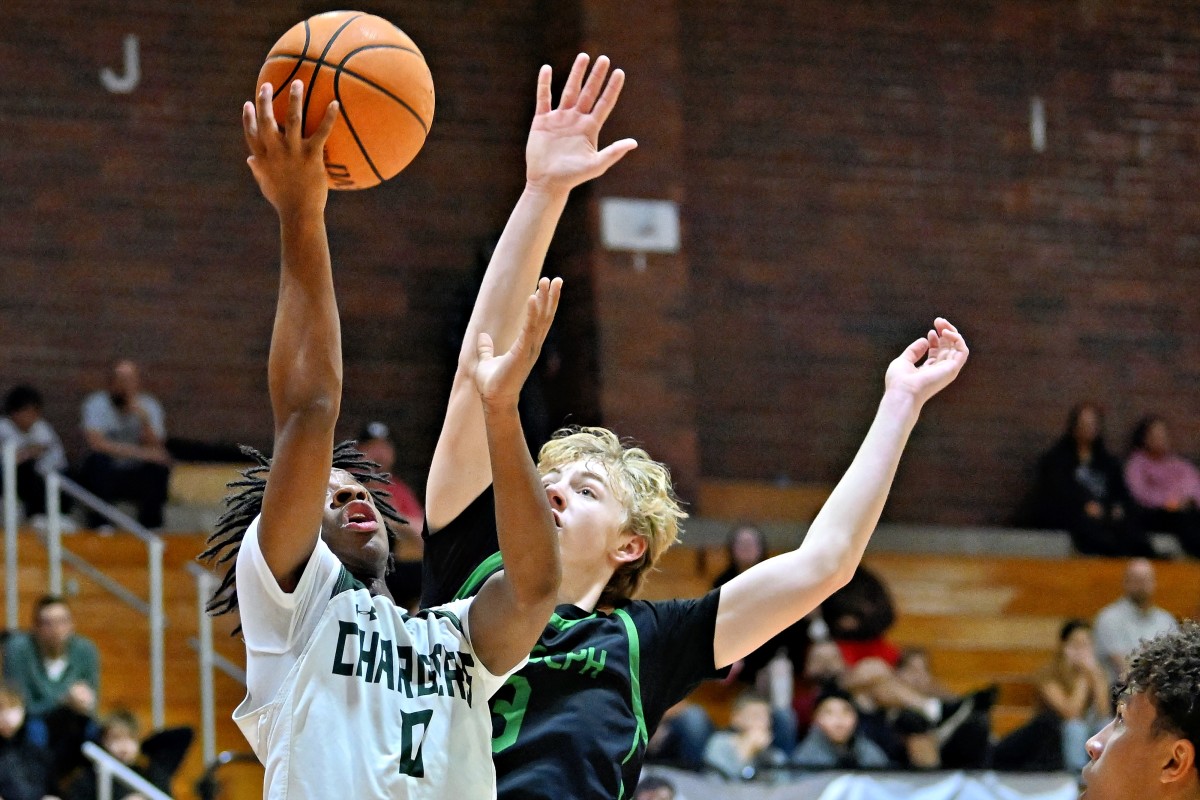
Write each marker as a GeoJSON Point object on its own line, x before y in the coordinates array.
{"type": "Point", "coordinates": [593, 85]}
{"type": "Point", "coordinates": [250, 128]}
{"type": "Point", "coordinates": [570, 93]}
{"type": "Point", "coordinates": [293, 128]}
{"type": "Point", "coordinates": [608, 98]}
{"type": "Point", "coordinates": [321, 134]}
{"type": "Point", "coordinates": [544, 98]}
{"type": "Point", "coordinates": [266, 110]}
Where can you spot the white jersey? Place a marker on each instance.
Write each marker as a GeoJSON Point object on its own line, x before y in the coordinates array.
{"type": "Point", "coordinates": [349, 696]}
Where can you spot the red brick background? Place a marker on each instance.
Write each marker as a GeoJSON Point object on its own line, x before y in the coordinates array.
{"type": "Point", "coordinates": [847, 171]}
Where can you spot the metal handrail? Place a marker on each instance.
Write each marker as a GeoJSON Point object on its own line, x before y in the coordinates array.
{"type": "Point", "coordinates": [11, 597]}
{"type": "Point", "coordinates": [109, 767]}
{"type": "Point", "coordinates": [209, 659]}
{"type": "Point", "coordinates": [56, 485]}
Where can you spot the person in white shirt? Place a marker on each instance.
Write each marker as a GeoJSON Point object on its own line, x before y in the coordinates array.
{"type": "Point", "coordinates": [1125, 623]}
{"type": "Point", "coordinates": [39, 450]}
{"type": "Point", "coordinates": [347, 694]}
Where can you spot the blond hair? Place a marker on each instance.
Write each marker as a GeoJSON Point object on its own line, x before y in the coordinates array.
{"type": "Point", "coordinates": [641, 484]}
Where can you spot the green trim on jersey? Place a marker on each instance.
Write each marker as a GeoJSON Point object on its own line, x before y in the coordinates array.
{"type": "Point", "coordinates": [490, 566]}
{"type": "Point", "coordinates": [562, 624]}
{"type": "Point", "coordinates": [635, 683]}
{"type": "Point", "coordinates": [346, 583]}
{"type": "Point", "coordinates": [444, 614]}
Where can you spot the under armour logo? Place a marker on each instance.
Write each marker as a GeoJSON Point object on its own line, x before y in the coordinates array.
{"type": "Point", "coordinates": [370, 613]}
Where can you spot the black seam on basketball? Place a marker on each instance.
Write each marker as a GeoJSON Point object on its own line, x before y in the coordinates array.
{"type": "Point", "coordinates": [288, 80]}
{"type": "Point", "coordinates": [337, 77]}
{"type": "Point", "coordinates": [312, 80]}
{"type": "Point", "coordinates": [364, 79]}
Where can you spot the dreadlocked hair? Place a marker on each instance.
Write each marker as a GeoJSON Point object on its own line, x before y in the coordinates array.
{"type": "Point", "coordinates": [245, 503]}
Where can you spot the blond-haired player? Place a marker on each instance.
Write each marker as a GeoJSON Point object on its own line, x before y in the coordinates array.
{"type": "Point", "coordinates": [574, 722]}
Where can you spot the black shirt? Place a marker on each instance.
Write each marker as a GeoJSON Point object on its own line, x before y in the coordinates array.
{"type": "Point", "coordinates": [575, 720]}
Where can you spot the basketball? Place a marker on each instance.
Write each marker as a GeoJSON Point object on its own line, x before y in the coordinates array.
{"type": "Point", "coordinates": [379, 77]}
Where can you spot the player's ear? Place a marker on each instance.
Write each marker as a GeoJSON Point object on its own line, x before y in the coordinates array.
{"type": "Point", "coordinates": [1181, 760]}
{"type": "Point", "coordinates": [632, 548]}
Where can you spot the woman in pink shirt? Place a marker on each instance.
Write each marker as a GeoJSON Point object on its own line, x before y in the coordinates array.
{"type": "Point", "coordinates": [1165, 486]}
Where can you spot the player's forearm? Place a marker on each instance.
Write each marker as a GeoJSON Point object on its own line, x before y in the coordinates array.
{"type": "Point", "coordinates": [839, 535]}
{"type": "Point", "coordinates": [305, 366]}
{"type": "Point", "coordinates": [514, 269]}
{"type": "Point", "coordinates": [524, 524]}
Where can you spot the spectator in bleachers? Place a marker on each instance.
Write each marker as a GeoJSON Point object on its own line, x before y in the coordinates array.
{"type": "Point", "coordinates": [156, 759]}
{"type": "Point", "coordinates": [1122, 624]}
{"type": "Point", "coordinates": [1081, 489]}
{"type": "Point", "coordinates": [404, 582]}
{"type": "Point", "coordinates": [834, 740]}
{"type": "Point", "coordinates": [654, 787]}
{"type": "Point", "coordinates": [964, 740]}
{"type": "Point", "coordinates": [25, 760]}
{"type": "Point", "coordinates": [53, 665]}
{"type": "Point", "coordinates": [1074, 700]}
{"type": "Point", "coordinates": [771, 668]}
{"type": "Point", "coordinates": [744, 751]}
{"type": "Point", "coordinates": [127, 455]}
{"type": "Point", "coordinates": [1165, 486]}
{"type": "Point", "coordinates": [39, 450]}
{"type": "Point", "coordinates": [859, 616]}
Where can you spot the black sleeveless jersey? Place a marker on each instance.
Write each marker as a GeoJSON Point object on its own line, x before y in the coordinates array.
{"type": "Point", "coordinates": [574, 722]}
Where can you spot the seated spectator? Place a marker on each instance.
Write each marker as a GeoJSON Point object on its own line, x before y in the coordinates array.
{"type": "Point", "coordinates": [1074, 702]}
{"type": "Point", "coordinates": [745, 750]}
{"type": "Point", "coordinates": [156, 759]}
{"type": "Point", "coordinates": [859, 616]}
{"type": "Point", "coordinates": [53, 666]}
{"type": "Point", "coordinates": [1081, 489]}
{"type": "Point", "coordinates": [834, 741]}
{"type": "Point", "coordinates": [1165, 487]}
{"type": "Point", "coordinates": [681, 737]}
{"type": "Point", "coordinates": [653, 787]}
{"type": "Point", "coordinates": [1124, 623]}
{"type": "Point", "coordinates": [404, 582]}
{"type": "Point", "coordinates": [126, 435]}
{"type": "Point", "coordinates": [39, 450]}
{"type": "Point", "coordinates": [771, 668]}
{"type": "Point", "coordinates": [911, 723]}
{"type": "Point", "coordinates": [963, 740]}
{"type": "Point", "coordinates": [25, 761]}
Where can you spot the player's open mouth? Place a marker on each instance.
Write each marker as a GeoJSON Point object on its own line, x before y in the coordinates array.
{"type": "Point", "coordinates": [557, 519]}
{"type": "Point", "coordinates": [360, 517]}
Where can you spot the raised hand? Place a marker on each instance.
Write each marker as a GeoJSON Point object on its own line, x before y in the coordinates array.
{"type": "Point", "coordinates": [944, 352]}
{"type": "Point", "coordinates": [289, 168]}
{"type": "Point", "coordinates": [562, 151]}
{"type": "Point", "coordinates": [499, 378]}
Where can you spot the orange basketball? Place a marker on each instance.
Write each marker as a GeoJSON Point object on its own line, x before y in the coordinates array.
{"type": "Point", "coordinates": [377, 75]}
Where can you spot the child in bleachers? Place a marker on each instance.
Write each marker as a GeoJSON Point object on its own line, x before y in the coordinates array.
{"type": "Point", "coordinates": [745, 750]}
{"type": "Point", "coordinates": [156, 759]}
{"type": "Point", "coordinates": [834, 741]}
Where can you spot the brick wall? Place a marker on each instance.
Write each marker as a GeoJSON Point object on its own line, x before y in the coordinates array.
{"type": "Point", "coordinates": [857, 168]}
{"type": "Point", "coordinates": [847, 171]}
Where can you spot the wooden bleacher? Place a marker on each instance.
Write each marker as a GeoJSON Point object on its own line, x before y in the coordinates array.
{"type": "Point", "coordinates": [122, 636]}
{"type": "Point", "coordinates": [983, 619]}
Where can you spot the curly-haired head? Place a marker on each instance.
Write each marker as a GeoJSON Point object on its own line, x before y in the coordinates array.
{"type": "Point", "coordinates": [245, 504]}
{"type": "Point", "coordinates": [1167, 670]}
{"type": "Point", "coordinates": [641, 484]}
